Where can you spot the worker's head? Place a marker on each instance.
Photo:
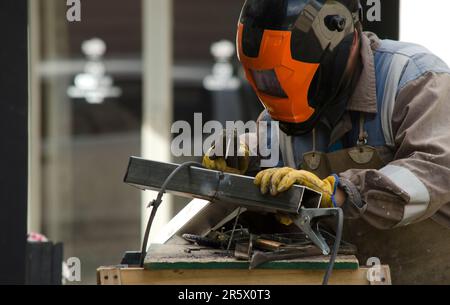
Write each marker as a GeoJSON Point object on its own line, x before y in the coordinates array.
{"type": "Point", "coordinates": [299, 56]}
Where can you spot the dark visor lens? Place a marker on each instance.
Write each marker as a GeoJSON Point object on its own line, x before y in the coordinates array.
{"type": "Point", "coordinates": [267, 82]}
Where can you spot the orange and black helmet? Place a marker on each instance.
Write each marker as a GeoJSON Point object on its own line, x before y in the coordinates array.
{"type": "Point", "coordinates": [295, 53]}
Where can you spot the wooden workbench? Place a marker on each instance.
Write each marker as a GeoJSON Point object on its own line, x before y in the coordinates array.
{"type": "Point", "coordinates": [138, 276]}
{"type": "Point", "coordinates": [202, 268]}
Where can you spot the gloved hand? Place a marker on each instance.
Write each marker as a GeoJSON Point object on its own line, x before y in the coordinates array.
{"type": "Point", "coordinates": [281, 179]}
{"type": "Point", "coordinates": [233, 165]}
{"type": "Point", "coordinates": [237, 163]}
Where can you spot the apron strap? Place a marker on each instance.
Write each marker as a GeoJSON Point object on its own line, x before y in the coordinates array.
{"type": "Point", "coordinates": [287, 150]}
{"type": "Point", "coordinates": [363, 135]}
{"type": "Point", "coordinates": [314, 140]}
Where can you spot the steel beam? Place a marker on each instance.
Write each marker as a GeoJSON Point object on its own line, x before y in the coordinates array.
{"type": "Point", "coordinates": [215, 186]}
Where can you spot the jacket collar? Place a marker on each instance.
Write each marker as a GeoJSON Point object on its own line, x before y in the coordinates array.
{"type": "Point", "coordinates": [364, 98]}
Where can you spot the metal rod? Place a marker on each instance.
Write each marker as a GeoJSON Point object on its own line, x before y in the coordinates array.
{"type": "Point", "coordinates": [234, 229]}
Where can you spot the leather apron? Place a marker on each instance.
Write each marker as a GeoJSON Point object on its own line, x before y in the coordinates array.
{"type": "Point", "coordinates": [418, 253]}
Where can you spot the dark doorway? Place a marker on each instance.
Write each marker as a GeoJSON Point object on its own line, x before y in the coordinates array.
{"type": "Point", "coordinates": [14, 146]}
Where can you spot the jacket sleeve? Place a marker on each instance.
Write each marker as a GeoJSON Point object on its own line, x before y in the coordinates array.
{"type": "Point", "coordinates": [417, 183]}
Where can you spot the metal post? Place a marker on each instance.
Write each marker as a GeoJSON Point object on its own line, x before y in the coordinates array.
{"type": "Point", "coordinates": [157, 107]}
{"type": "Point", "coordinates": [34, 184]}
{"type": "Point", "coordinates": [385, 23]}
{"type": "Point", "coordinates": [57, 152]}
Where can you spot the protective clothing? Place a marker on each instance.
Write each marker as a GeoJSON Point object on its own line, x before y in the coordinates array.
{"type": "Point", "coordinates": [403, 92]}
{"type": "Point", "coordinates": [400, 179]}
{"type": "Point", "coordinates": [281, 179]}
{"type": "Point", "coordinates": [295, 55]}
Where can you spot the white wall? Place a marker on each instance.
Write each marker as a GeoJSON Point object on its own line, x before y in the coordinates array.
{"type": "Point", "coordinates": [427, 22]}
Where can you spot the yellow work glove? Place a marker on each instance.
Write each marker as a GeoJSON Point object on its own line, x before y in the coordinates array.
{"type": "Point", "coordinates": [233, 165]}
{"type": "Point", "coordinates": [281, 179]}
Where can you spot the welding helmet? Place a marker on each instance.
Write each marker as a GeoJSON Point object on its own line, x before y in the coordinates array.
{"type": "Point", "coordinates": [294, 54]}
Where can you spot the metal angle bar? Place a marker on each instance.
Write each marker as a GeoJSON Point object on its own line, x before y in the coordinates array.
{"type": "Point", "coordinates": [215, 186]}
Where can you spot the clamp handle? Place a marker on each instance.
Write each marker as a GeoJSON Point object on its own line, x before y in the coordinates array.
{"type": "Point", "coordinates": [307, 221]}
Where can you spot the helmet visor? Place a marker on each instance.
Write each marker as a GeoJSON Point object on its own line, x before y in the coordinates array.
{"type": "Point", "coordinates": [267, 82]}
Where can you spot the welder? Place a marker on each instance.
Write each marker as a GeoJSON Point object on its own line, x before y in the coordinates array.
{"type": "Point", "coordinates": [364, 121]}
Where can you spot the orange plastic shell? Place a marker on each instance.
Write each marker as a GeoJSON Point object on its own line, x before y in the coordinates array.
{"type": "Point", "coordinates": [295, 77]}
